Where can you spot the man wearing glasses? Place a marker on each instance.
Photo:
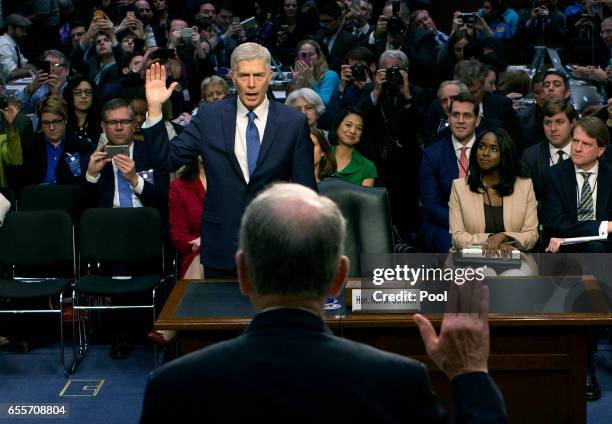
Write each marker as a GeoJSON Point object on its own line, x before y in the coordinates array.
{"type": "Point", "coordinates": [46, 82]}
{"type": "Point", "coordinates": [125, 180]}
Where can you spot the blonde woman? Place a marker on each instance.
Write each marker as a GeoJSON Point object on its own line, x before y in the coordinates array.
{"type": "Point", "coordinates": [311, 70]}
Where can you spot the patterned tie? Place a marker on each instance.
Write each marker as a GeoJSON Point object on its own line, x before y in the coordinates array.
{"type": "Point", "coordinates": [585, 208]}
{"type": "Point", "coordinates": [125, 191]}
{"type": "Point", "coordinates": [463, 162]}
{"type": "Point", "coordinates": [252, 141]}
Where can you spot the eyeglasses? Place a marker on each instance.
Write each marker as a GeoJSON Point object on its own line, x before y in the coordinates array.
{"type": "Point", "coordinates": [116, 122]}
{"type": "Point", "coordinates": [57, 65]}
{"type": "Point", "coordinates": [55, 123]}
{"type": "Point", "coordinates": [79, 92]}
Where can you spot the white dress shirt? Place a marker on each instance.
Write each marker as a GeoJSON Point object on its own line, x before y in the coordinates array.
{"type": "Point", "coordinates": [603, 227]}
{"type": "Point", "coordinates": [8, 56]}
{"type": "Point", "coordinates": [136, 203]}
{"type": "Point", "coordinates": [457, 147]}
{"type": "Point", "coordinates": [554, 156]}
{"type": "Point", "coordinates": [242, 121]}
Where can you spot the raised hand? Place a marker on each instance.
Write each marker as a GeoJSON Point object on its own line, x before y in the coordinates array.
{"type": "Point", "coordinates": [155, 88]}
{"type": "Point", "coordinates": [10, 113]}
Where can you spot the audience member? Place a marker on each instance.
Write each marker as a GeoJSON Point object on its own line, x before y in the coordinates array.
{"type": "Point", "coordinates": [324, 158]}
{"type": "Point", "coordinates": [495, 205]}
{"type": "Point", "coordinates": [13, 64]}
{"type": "Point", "coordinates": [10, 144]}
{"type": "Point", "coordinates": [502, 20]}
{"type": "Point", "coordinates": [490, 81]}
{"type": "Point", "coordinates": [336, 40]}
{"type": "Point", "coordinates": [344, 137]}
{"type": "Point", "coordinates": [83, 124]}
{"type": "Point", "coordinates": [311, 70]}
{"type": "Point", "coordinates": [309, 103]}
{"type": "Point", "coordinates": [437, 116]}
{"type": "Point", "coordinates": [451, 54]}
{"type": "Point", "coordinates": [290, 27]}
{"type": "Point", "coordinates": [558, 118]}
{"type": "Point", "coordinates": [55, 157]}
{"type": "Point", "coordinates": [45, 84]}
{"type": "Point", "coordinates": [287, 280]}
{"type": "Point", "coordinates": [442, 163]}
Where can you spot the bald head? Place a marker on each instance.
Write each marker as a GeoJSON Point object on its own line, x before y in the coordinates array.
{"type": "Point", "coordinates": [292, 240]}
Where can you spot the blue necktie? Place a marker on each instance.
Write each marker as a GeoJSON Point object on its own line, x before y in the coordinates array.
{"type": "Point", "coordinates": [125, 191]}
{"type": "Point", "coordinates": [252, 142]}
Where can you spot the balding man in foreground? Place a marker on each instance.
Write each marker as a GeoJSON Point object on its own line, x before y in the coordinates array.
{"type": "Point", "coordinates": [289, 366]}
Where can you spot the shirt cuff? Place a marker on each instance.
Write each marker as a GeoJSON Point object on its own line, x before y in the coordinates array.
{"type": "Point", "coordinates": [603, 229]}
{"type": "Point", "coordinates": [91, 179]}
{"type": "Point", "coordinates": [374, 98]}
{"type": "Point", "coordinates": [148, 123]}
{"type": "Point", "coordinates": [140, 186]}
{"type": "Point", "coordinates": [371, 39]}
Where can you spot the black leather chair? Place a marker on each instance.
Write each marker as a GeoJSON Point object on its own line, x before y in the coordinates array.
{"type": "Point", "coordinates": [34, 244]}
{"type": "Point", "coordinates": [367, 212]}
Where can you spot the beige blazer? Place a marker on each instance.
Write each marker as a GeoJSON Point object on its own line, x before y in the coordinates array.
{"type": "Point", "coordinates": [467, 219]}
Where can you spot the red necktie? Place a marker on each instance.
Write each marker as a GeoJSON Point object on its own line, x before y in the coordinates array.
{"type": "Point", "coordinates": [463, 162]}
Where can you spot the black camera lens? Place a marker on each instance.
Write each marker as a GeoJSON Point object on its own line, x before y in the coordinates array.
{"type": "Point", "coordinates": [396, 26]}
{"type": "Point", "coordinates": [394, 75]}
{"type": "Point", "coordinates": [358, 71]}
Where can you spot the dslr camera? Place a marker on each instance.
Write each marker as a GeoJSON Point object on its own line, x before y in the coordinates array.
{"type": "Point", "coordinates": [394, 75]}
{"type": "Point", "coordinates": [358, 71]}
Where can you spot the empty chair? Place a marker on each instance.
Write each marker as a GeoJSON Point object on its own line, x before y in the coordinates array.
{"type": "Point", "coordinates": [111, 240]}
{"type": "Point", "coordinates": [32, 244]}
{"type": "Point", "coordinates": [366, 210]}
{"type": "Point", "coordinates": [46, 197]}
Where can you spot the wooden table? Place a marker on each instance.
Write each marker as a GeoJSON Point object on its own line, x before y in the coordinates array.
{"type": "Point", "coordinates": [537, 360]}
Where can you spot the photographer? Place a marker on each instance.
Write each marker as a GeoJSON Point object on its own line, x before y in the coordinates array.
{"type": "Point", "coordinates": [394, 120]}
{"type": "Point", "coordinates": [543, 24]}
{"type": "Point", "coordinates": [47, 81]}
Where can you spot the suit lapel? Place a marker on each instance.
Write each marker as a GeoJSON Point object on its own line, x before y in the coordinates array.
{"type": "Point", "coordinates": [508, 204]}
{"type": "Point", "coordinates": [569, 183]}
{"type": "Point", "coordinates": [451, 159]}
{"type": "Point", "coordinates": [269, 134]}
{"type": "Point", "coordinates": [543, 161]}
{"type": "Point", "coordinates": [478, 208]}
{"type": "Point", "coordinates": [603, 191]}
{"type": "Point", "coordinates": [228, 121]}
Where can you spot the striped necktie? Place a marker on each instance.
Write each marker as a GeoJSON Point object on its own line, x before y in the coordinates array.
{"type": "Point", "coordinates": [585, 207]}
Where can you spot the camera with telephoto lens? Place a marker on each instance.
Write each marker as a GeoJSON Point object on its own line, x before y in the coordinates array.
{"type": "Point", "coordinates": [358, 71]}
{"type": "Point", "coordinates": [394, 76]}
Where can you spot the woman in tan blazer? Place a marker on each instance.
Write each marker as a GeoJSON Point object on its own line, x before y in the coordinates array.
{"type": "Point", "coordinates": [495, 205]}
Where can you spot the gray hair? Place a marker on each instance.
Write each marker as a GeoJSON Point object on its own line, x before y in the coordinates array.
{"type": "Point", "coordinates": [292, 240]}
{"type": "Point", "coordinates": [470, 71]}
{"type": "Point", "coordinates": [114, 104]}
{"type": "Point", "coordinates": [250, 51]}
{"type": "Point", "coordinates": [57, 54]}
{"type": "Point", "coordinates": [310, 96]}
{"type": "Point", "coordinates": [214, 80]}
{"type": "Point", "coordinates": [463, 89]}
{"type": "Point", "coordinates": [396, 54]}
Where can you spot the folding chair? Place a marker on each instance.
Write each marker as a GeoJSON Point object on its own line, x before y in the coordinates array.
{"type": "Point", "coordinates": [112, 238]}
{"type": "Point", "coordinates": [31, 242]}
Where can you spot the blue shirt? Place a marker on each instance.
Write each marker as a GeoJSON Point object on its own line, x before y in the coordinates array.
{"type": "Point", "coordinates": [54, 155]}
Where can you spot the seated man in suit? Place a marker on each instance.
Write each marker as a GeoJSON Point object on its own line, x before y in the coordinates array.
{"type": "Point", "coordinates": [247, 142]}
{"type": "Point", "coordinates": [121, 181]}
{"type": "Point", "coordinates": [559, 116]}
{"type": "Point", "coordinates": [436, 120]}
{"type": "Point", "coordinates": [290, 260]}
{"type": "Point", "coordinates": [443, 162]}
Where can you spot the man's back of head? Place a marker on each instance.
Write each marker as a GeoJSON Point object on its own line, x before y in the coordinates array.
{"type": "Point", "coordinates": [291, 242]}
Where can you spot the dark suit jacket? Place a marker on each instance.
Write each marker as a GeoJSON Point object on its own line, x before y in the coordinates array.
{"type": "Point", "coordinates": [559, 209]}
{"type": "Point", "coordinates": [288, 367]}
{"type": "Point", "coordinates": [102, 193]}
{"type": "Point", "coordinates": [439, 168]}
{"type": "Point", "coordinates": [35, 161]}
{"type": "Point", "coordinates": [345, 42]}
{"type": "Point", "coordinates": [537, 161]}
{"type": "Point", "coordinates": [286, 154]}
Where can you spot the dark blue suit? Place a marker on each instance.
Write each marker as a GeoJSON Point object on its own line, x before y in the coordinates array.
{"type": "Point", "coordinates": [102, 193]}
{"type": "Point", "coordinates": [289, 367]}
{"type": "Point", "coordinates": [438, 170]}
{"type": "Point", "coordinates": [286, 154]}
{"type": "Point", "coordinates": [560, 205]}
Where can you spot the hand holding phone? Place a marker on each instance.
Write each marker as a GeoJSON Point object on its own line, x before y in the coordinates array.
{"type": "Point", "coordinates": [112, 151]}
{"type": "Point", "coordinates": [305, 57]}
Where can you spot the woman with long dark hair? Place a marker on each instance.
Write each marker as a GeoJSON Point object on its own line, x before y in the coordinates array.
{"type": "Point", "coordinates": [83, 123]}
{"type": "Point", "coordinates": [495, 205]}
{"type": "Point", "coordinates": [324, 159]}
{"type": "Point", "coordinates": [352, 166]}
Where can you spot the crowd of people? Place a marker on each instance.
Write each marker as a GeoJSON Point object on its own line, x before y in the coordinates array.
{"type": "Point", "coordinates": [469, 150]}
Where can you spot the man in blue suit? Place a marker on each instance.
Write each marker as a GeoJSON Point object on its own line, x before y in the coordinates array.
{"type": "Point", "coordinates": [284, 367]}
{"type": "Point", "coordinates": [246, 142]}
{"type": "Point", "coordinates": [442, 162]}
